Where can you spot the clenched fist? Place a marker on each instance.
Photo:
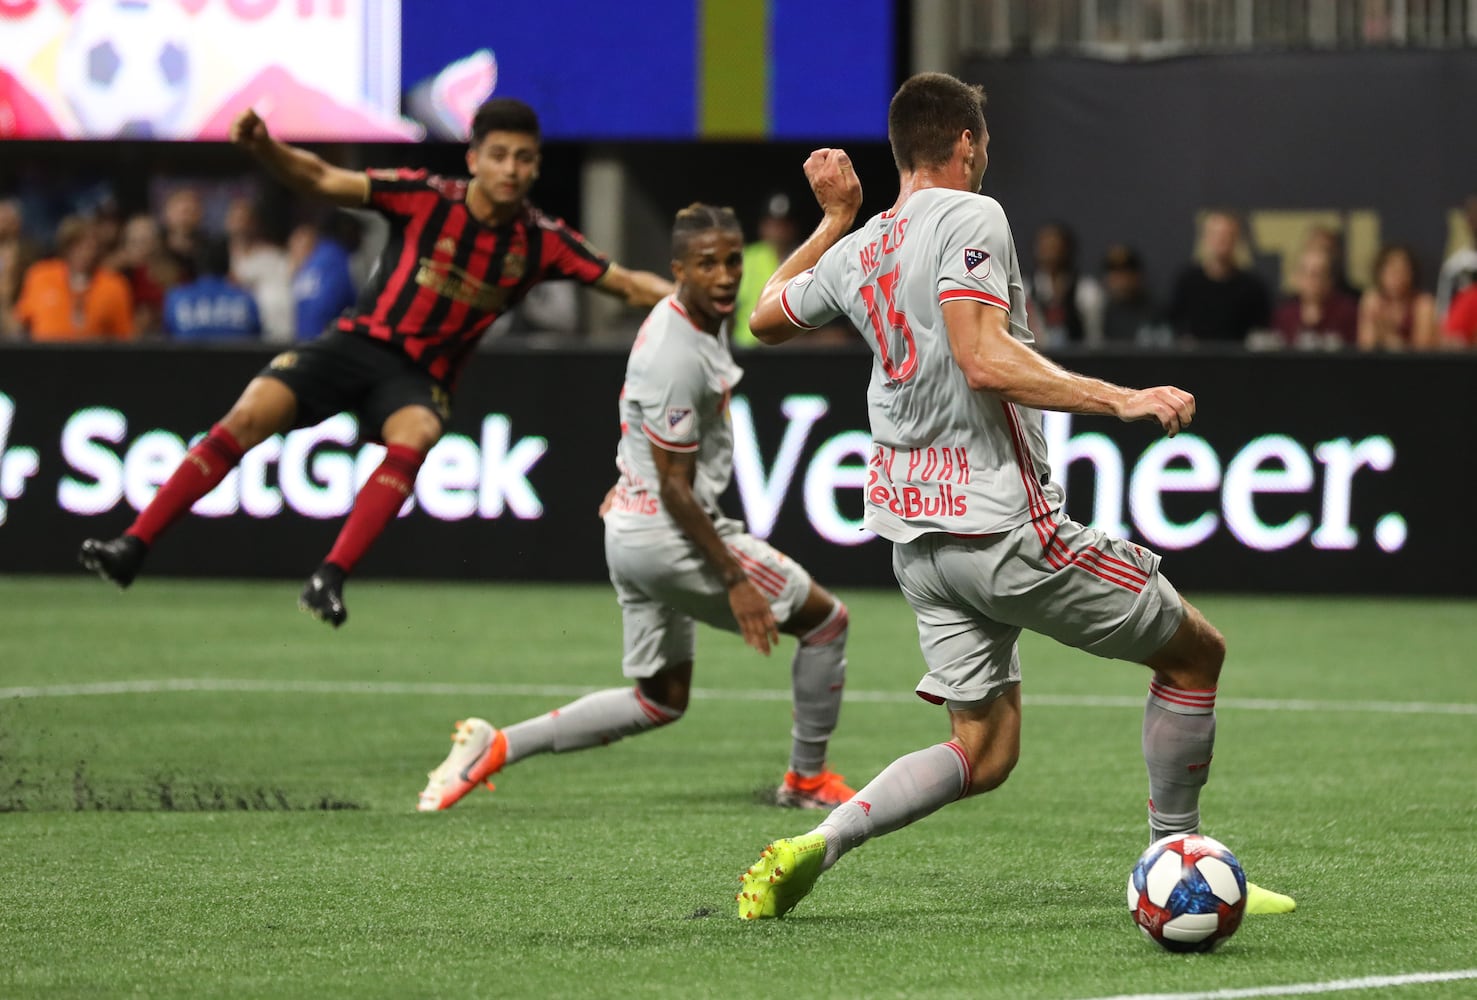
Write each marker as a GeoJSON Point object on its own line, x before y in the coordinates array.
{"type": "Point", "coordinates": [834, 182]}
{"type": "Point", "coordinates": [249, 131]}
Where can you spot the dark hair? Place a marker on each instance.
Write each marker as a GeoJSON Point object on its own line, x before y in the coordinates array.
{"type": "Point", "coordinates": [1398, 250]}
{"type": "Point", "coordinates": [1066, 234]}
{"type": "Point", "coordinates": [503, 114]}
{"type": "Point", "coordinates": [1122, 257]}
{"type": "Point", "coordinates": [926, 116]}
{"type": "Point", "coordinates": [699, 218]}
{"type": "Point", "coordinates": [213, 259]}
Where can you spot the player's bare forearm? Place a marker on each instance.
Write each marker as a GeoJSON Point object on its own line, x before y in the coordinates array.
{"type": "Point", "coordinates": [1049, 387]}
{"type": "Point", "coordinates": [838, 191]}
{"type": "Point", "coordinates": [647, 289]}
{"type": "Point", "coordinates": [751, 610]}
{"type": "Point", "coordinates": [768, 321]}
{"type": "Point", "coordinates": [299, 169]}
{"type": "Point", "coordinates": [994, 361]}
{"type": "Point", "coordinates": [308, 173]}
{"type": "Point", "coordinates": [677, 498]}
{"type": "Point", "coordinates": [642, 289]}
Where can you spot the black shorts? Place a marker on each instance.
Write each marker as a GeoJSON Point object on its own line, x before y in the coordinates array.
{"type": "Point", "coordinates": [344, 372]}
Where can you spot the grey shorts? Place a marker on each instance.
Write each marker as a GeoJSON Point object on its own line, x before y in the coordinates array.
{"type": "Point", "coordinates": [664, 585]}
{"type": "Point", "coordinates": [1076, 584]}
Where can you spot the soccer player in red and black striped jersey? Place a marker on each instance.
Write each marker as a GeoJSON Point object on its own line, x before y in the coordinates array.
{"type": "Point", "coordinates": [460, 253]}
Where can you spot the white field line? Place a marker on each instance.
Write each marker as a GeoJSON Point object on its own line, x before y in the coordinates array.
{"type": "Point", "coordinates": [248, 686]}
{"type": "Point", "coordinates": [1304, 989]}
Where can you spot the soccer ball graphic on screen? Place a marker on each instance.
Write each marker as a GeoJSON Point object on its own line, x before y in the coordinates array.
{"type": "Point", "coordinates": [1187, 892]}
{"type": "Point", "coordinates": [125, 67]}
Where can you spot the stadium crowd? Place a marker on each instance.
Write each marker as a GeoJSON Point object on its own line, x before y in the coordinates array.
{"type": "Point", "coordinates": [181, 273]}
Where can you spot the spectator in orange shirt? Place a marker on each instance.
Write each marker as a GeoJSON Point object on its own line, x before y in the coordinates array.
{"type": "Point", "coordinates": [72, 297]}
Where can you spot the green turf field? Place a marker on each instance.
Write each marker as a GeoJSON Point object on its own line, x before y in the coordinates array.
{"type": "Point", "coordinates": [262, 841]}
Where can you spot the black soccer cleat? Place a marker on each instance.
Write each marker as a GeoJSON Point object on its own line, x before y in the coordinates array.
{"type": "Point", "coordinates": [118, 559]}
{"type": "Point", "coordinates": [323, 595]}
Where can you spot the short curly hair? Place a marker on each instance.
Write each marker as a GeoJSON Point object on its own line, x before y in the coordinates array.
{"type": "Point", "coordinates": [699, 218]}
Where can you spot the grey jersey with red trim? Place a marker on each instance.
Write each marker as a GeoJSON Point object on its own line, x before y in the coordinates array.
{"type": "Point", "coordinates": [945, 457]}
{"type": "Point", "coordinates": [678, 380]}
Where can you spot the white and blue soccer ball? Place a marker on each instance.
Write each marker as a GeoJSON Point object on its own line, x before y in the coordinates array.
{"type": "Point", "coordinates": [125, 68]}
{"type": "Point", "coordinates": [1187, 892]}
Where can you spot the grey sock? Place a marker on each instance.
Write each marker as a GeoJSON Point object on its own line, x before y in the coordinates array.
{"type": "Point", "coordinates": [1179, 737]}
{"type": "Point", "coordinates": [908, 789]}
{"type": "Point", "coordinates": [817, 675]}
{"type": "Point", "coordinates": [594, 720]}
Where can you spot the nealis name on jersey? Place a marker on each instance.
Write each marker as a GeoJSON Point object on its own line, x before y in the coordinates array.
{"type": "Point", "coordinates": [871, 255]}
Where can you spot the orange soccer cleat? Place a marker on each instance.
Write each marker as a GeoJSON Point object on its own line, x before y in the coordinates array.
{"type": "Point", "coordinates": [826, 790]}
{"type": "Point", "coordinates": [478, 750]}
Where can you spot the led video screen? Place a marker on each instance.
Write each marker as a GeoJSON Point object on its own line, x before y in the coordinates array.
{"type": "Point", "coordinates": [386, 70]}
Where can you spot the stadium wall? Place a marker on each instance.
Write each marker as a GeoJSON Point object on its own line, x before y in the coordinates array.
{"type": "Point", "coordinates": [1304, 473]}
{"type": "Point", "coordinates": [1368, 142]}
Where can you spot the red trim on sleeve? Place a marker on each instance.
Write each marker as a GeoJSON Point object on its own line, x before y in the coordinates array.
{"type": "Point", "coordinates": [668, 445]}
{"type": "Point", "coordinates": [790, 313]}
{"type": "Point", "coordinates": [965, 294]}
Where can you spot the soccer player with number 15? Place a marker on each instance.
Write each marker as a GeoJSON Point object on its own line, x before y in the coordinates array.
{"type": "Point", "coordinates": [959, 483]}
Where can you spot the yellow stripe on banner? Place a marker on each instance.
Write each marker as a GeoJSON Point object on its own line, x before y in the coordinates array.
{"type": "Point", "coordinates": [734, 37]}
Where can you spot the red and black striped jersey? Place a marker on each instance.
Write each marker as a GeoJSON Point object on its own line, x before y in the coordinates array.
{"type": "Point", "coordinates": [444, 276]}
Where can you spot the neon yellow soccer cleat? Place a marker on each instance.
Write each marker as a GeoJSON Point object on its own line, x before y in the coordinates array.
{"type": "Point", "coordinates": [1259, 900]}
{"type": "Point", "coordinates": [782, 876]}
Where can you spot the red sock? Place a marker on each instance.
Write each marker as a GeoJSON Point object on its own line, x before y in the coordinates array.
{"type": "Point", "coordinates": [204, 467]}
{"type": "Point", "coordinates": [377, 503]}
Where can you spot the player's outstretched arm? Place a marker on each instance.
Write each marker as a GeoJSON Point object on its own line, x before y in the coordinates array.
{"type": "Point", "coordinates": [638, 288]}
{"type": "Point", "coordinates": [299, 169]}
{"type": "Point", "coordinates": [994, 361]}
{"type": "Point", "coordinates": [839, 192]}
{"type": "Point", "coordinates": [755, 619]}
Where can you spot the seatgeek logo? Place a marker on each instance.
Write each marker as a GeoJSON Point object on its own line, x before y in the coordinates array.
{"type": "Point", "coordinates": [315, 472]}
{"type": "Point", "coordinates": [1126, 496]}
